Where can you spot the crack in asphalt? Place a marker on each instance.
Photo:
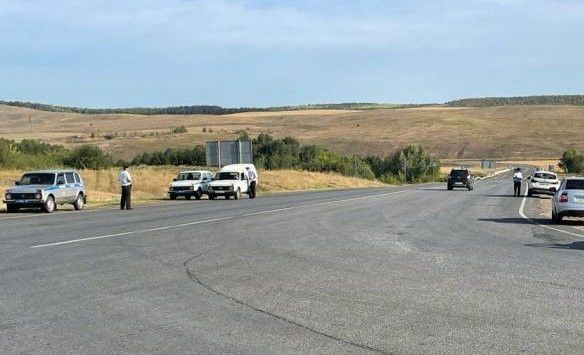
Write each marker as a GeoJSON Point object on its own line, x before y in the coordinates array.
{"type": "Point", "coordinates": [194, 277]}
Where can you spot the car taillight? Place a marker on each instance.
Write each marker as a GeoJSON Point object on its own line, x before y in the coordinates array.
{"type": "Point", "coordinates": [564, 197]}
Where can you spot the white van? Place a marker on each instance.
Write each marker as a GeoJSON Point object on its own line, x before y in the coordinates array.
{"type": "Point", "coordinates": [233, 180]}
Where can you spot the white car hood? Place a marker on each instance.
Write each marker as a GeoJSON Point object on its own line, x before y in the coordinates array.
{"type": "Point", "coordinates": [185, 183]}
{"type": "Point", "coordinates": [223, 183]}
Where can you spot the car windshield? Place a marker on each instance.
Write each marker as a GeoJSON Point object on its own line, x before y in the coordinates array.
{"type": "Point", "coordinates": [575, 184]}
{"type": "Point", "coordinates": [545, 176]}
{"type": "Point", "coordinates": [37, 179]}
{"type": "Point", "coordinates": [459, 173]}
{"type": "Point", "coordinates": [189, 176]}
{"type": "Point", "coordinates": [227, 176]}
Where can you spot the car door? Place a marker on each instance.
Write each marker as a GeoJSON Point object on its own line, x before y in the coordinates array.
{"type": "Point", "coordinates": [205, 179]}
{"type": "Point", "coordinates": [61, 192]}
{"type": "Point", "coordinates": [71, 189]}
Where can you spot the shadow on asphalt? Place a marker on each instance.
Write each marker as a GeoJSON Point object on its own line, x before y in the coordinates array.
{"type": "Point", "coordinates": [502, 196]}
{"type": "Point", "coordinates": [442, 189]}
{"type": "Point", "coordinates": [542, 221]}
{"type": "Point", "coordinates": [573, 245]}
{"type": "Point", "coordinates": [516, 220]}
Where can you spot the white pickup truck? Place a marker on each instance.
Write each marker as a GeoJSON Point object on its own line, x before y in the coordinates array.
{"type": "Point", "coordinates": [193, 183]}
{"type": "Point", "coordinates": [233, 180]}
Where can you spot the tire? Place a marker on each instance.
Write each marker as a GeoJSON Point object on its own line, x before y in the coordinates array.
{"type": "Point", "coordinates": [211, 196]}
{"type": "Point", "coordinates": [49, 206]}
{"type": "Point", "coordinates": [187, 197]}
{"type": "Point", "coordinates": [529, 193]}
{"type": "Point", "coordinates": [79, 203]}
{"type": "Point", "coordinates": [227, 197]}
{"type": "Point", "coordinates": [172, 196]}
{"type": "Point", "coordinates": [198, 194]}
{"type": "Point", "coordinates": [237, 194]}
{"type": "Point", "coordinates": [449, 187]}
{"type": "Point", "coordinates": [10, 208]}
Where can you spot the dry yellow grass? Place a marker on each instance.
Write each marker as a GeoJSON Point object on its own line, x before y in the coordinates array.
{"type": "Point", "coordinates": [151, 183]}
{"type": "Point", "coordinates": [513, 132]}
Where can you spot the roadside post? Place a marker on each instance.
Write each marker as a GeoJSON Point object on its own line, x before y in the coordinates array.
{"type": "Point", "coordinates": [356, 172]}
{"type": "Point", "coordinates": [433, 166]}
{"type": "Point", "coordinates": [405, 168]}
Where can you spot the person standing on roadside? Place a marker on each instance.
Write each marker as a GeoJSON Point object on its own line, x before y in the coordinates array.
{"type": "Point", "coordinates": [251, 181]}
{"type": "Point", "coordinates": [517, 178]}
{"type": "Point", "coordinates": [126, 184]}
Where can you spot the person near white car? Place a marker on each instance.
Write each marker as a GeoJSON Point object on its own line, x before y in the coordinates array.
{"type": "Point", "coordinates": [234, 181]}
{"type": "Point", "coordinates": [251, 181]}
{"type": "Point", "coordinates": [517, 178]}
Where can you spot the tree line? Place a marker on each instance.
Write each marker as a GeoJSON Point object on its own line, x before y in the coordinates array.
{"type": "Point", "coordinates": [411, 164]}
{"type": "Point", "coordinates": [184, 110]}
{"type": "Point", "coordinates": [521, 100]}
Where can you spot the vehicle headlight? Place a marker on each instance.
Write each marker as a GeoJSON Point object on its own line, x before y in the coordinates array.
{"type": "Point", "coordinates": [38, 195]}
{"type": "Point", "coordinates": [8, 196]}
{"type": "Point", "coordinates": [191, 187]}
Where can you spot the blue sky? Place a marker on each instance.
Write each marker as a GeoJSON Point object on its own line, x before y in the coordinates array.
{"type": "Point", "coordinates": [112, 53]}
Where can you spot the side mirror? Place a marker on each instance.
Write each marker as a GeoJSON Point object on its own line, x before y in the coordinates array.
{"type": "Point", "coordinates": [212, 179]}
{"type": "Point", "coordinates": [173, 179]}
{"type": "Point", "coordinates": [17, 183]}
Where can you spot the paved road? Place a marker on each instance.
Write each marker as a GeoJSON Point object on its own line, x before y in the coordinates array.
{"type": "Point", "coordinates": [397, 270]}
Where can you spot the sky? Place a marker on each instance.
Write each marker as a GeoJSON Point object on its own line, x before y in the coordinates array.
{"type": "Point", "coordinates": [259, 53]}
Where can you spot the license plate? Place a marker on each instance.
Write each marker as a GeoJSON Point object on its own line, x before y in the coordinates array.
{"type": "Point", "coordinates": [579, 198]}
{"type": "Point", "coordinates": [20, 201]}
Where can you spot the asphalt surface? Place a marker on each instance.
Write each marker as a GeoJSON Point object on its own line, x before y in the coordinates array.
{"type": "Point", "coordinates": [396, 270]}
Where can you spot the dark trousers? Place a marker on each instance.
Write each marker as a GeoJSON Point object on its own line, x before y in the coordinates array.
{"type": "Point", "coordinates": [126, 202]}
{"type": "Point", "coordinates": [252, 189]}
{"type": "Point", "coordinates": [516, 188]}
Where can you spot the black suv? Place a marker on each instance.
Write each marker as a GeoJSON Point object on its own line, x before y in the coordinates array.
{"type": "Point", "coordinates": [460, 178]}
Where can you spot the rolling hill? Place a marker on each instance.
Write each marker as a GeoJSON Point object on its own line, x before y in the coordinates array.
{"type": "Point", "coordinates": [500, 132]}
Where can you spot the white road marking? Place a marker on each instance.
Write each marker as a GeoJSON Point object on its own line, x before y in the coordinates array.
{"type": "Point", "coordinates": [543, 225]}
{"type": "Point", "coordinates": [210, 220]}
{"type": "Point", "coordinates": [70, 212]}
{"type": "Point", "coordinates": [131, 232]}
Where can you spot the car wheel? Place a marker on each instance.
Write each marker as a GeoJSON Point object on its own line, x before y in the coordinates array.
{"type": "Point", "coordinates": [237, 194]}
{"type": "Point", "coordinates": [227, 197]}
{"type": "Point", "coordinates": [198, 194]}
{"type": "Point", "coordinates": [449, 187]}
{"type": "Point", "coordinates": [172, 196]}
{"type": "Point", "coordinates": [11, 208]}
{"type": "Point", "coordinates": [529, 193]}
{"type": "Point", "coordinates": [49, 206]}
{"type": "Point", "coordinates": [187, 197]}
{"type": "Point", "coordinates": [79, 203]}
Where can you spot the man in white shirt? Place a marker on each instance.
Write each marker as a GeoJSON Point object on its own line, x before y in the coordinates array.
{"type": "Point", "coordinates": [251, 182]}
{"type": "Point", "coordinates": [517, 178]}
{"type": "Point", "coordinates": [126, 184]}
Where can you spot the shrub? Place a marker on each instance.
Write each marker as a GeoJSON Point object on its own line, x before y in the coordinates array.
{"type": "Point", "coordinates": [179, 129]}
{"type": "Point", "coordinates": [89, 157]}
{"type": "Point", "coordinates": [572, 161]}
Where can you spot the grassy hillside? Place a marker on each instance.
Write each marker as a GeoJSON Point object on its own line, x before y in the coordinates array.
{"type": "Point", "coordinates": [510, 132]}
